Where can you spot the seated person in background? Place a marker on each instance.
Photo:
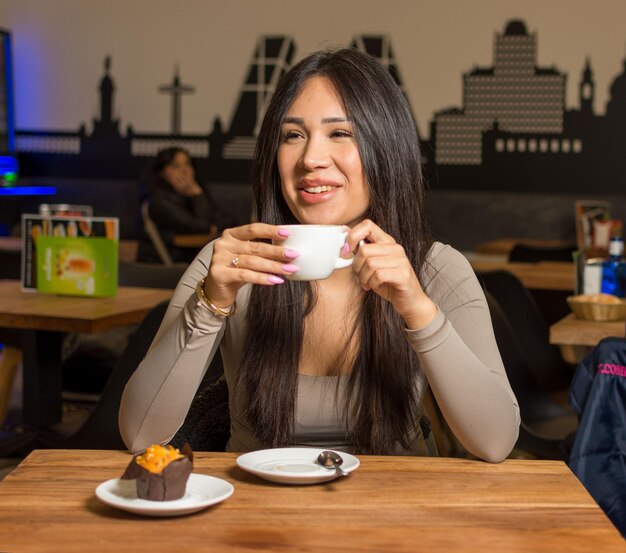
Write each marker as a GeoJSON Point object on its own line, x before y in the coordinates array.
{"type": "Point", "coordinates": [177, 204]}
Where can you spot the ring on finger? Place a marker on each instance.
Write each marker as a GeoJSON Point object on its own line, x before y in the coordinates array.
{"type": "Point", "coordinates": [234, 262]}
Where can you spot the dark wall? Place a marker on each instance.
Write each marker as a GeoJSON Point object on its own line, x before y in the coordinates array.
{"type": "Point", "coordinates": [460, 218]}
{"type": "Point", "coordinates": [465, 219]}
{"type": "Point", "coordinates": [119, 198]}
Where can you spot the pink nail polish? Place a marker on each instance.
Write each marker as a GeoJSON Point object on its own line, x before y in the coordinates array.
{"type": "Point", "coordinates": [345, 249]}
{"type": "Point", "coordinates": [289, 268]}
{"type": "Point", "coordinates": [291, 254]}
{"type": "Point", "coordinates": [284, 232]}
{"type": "Point", "coordinates": [275, 280]}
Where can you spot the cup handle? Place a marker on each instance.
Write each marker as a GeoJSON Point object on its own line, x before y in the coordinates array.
{"type": "Point", "coordinates": [342, 262]}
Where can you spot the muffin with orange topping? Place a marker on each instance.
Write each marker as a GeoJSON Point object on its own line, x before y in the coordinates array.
{"type": "Point", "coordinates": [161, 472]}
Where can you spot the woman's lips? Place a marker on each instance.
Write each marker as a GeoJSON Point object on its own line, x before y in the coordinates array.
{"type": "Point", "coordinates": [316, 195]}
{"type": "Point", "coordinates": [317, 191]}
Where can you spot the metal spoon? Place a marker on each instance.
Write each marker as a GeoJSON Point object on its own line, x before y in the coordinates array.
{"type": "Point", "coordinates": [331, 459]}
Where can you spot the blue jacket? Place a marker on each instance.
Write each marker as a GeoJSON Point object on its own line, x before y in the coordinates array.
{"type": "Point", "coordinates": [598, 457]}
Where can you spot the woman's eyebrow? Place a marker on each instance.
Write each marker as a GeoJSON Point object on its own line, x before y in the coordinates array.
{"type": "Point", "coordinates": [336, 120]}
{"type": "Point", "coordinates": [300, 120]}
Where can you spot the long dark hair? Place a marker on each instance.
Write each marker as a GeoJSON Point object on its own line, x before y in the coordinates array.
{"type": "Point", "coordinates": [383, 395]}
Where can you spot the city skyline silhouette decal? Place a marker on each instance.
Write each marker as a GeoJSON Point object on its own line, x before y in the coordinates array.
{"type": "Point", "coordinates": [512, 132]}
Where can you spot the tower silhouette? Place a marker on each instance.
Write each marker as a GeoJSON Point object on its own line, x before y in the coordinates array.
{"type": "Point", "coordinates": [106, 125]}
{"type": "Point", "coordinates": [271, 60]}
{"type": "Point", "coordinates": [379, 47]}
{"type": "Point", "coordinates": [176, 90]}
{"type": "Point", "coordinates": [107, 88]}
{"type": "Point", "coordinates": [586, 88]}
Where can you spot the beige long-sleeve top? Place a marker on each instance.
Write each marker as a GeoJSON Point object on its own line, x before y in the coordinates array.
{"type": "Point", "coordinates": [457, 352]}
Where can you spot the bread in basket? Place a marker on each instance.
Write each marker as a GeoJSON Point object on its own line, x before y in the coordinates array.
{"type": "Point", "coordinates": [598, 307]}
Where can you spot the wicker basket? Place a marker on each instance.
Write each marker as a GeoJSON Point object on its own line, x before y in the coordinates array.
{"type": "Point", "coordinates": [590, 310]}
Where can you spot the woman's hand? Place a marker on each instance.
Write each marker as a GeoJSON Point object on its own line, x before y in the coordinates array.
{"type": "Point", "coordinates": [185, 185]}
{"type": "Point", "coordinates": [239, 258]}
{"type": "Point", "coordinates": [382, 266]}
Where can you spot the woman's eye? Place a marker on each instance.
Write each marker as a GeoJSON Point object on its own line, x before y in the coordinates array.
{"type": "Point", "coordinates": [291, 135]}
{"type": "Point", "coordinates": [341, 133]}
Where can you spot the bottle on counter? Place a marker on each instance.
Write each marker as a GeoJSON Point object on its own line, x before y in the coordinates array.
{"type": "Point", "coordinates": [614, 269]}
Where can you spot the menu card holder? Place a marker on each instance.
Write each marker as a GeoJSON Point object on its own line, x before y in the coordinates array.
{"type": "Point", "coordinates": [65, 210]}
{"type": "Point", "coordinates": [75, 256]}
{"type": "Point", "coordinates": [589, 213]}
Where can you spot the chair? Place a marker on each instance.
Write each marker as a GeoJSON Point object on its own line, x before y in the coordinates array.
{"type": "Point", "coordinates": [10, 354]}
{"type": "Point", "coordinates": [10, 360]}
{"type": "Point", "coordinates": [207, 425]}
{"type": "Point", "coordinates": [153, 233]}
{"type": "Point", "coordinates": [545, 426]}
{"type": "Point", "coordinates": [100, 431]}
{"type": "Point", "coordinates": [102, 351]}
{"type": "Point", "coordinates": [150, 275]}
{"type": "Point", "coordinates": [546, 364]}
{"type": "Point", "coordinates": [524, 253]}
{"type": "Point", "coordinates": [10, 263]}
{"type": "Point", "coordinates": [552, 303]}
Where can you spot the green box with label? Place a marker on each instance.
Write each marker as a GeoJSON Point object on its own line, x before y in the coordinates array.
{"type": "Point", "coordinates": [77, 266]}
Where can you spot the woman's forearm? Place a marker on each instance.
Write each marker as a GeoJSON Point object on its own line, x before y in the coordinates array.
{"type": "Point", "coordinates": [475, 399]}
{"type": "Point", "coordinates": [158, 395]}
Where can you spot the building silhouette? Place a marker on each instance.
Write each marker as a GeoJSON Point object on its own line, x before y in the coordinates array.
{"type": "Point", "coordinates": [512, 132]}
{"type": "Point", "coordinates": [516, 93]}
{"type": "Point", "coordinates": [221, 155]}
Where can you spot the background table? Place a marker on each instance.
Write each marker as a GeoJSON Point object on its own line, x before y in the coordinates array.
{"type": "Point", "coordinates": [544, 275]}
{"type": "Point", "coordinates": [194, 241]}
{"type": "Point", "coordinates": [389, 504]}
{"type": "Point", "coordinates": [576, 336]}
{"type": "Point", "coordinates": [42, 319]}
{"type": "Point", "coordinates": [577, 332]}
{"type": "Point", "coordinates": [503, 246]}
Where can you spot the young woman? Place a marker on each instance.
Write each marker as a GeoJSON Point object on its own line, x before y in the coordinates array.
{"type": "Point", "coordinates": [342, 362]}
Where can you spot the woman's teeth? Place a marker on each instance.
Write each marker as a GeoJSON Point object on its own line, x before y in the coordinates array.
{"type": "Point", "coordinates": [318, 189]}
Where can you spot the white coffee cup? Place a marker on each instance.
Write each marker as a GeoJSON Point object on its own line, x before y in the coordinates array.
{"type": "Point", "coordinates": [319, 247]}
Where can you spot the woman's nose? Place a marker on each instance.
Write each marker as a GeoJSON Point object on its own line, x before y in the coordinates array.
{"type": "Point", "coordinates": [315, 155]}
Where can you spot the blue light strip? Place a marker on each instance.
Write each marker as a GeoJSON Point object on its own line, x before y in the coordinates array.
{"type": "Point", "coordinates": [8, 74]}
{"type": "Point", "coordinates": [8, 165]}
{"type": "Point", "coordinates": [28, 191]}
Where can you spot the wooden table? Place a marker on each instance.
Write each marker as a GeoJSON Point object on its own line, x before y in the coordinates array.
{"type": "Point", "coordinates": [128, 250]}
{"type": "Point", "coordinates": [42, 319]}
{"type": "Point", "coordinates": [10, 243]}
{"type": "Point", "coordinates": [392, 504]}
{"type": "Point", "coordinates": [576, 336]}
{"type": "Point", "coordinates": [545, 275]}
{"type": "Point", "coordinates": [195, 241]}
{"type": "Point", "coordinates": [505, 245]}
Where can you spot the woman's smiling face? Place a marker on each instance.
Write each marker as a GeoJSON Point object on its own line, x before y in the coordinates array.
{"type": "Point", "coordinates": [320, 168]}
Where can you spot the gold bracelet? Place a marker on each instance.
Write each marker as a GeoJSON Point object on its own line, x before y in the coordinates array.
{"type": "Point", "coordinates": [219, 312]}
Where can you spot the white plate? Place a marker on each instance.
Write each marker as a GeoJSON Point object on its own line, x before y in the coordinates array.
{"type": "Point", "coordinates": [293, 465]}
{"type": "Point", "coordinates": [202, 491]}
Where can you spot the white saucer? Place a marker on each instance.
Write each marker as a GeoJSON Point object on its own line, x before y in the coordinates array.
{"type": "Point", "coordinates": [202, 491]}
{"type": "Point", "coordinates": [293, 465]}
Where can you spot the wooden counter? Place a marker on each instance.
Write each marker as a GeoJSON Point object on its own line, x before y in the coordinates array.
{"type": "Point", "coordinates": [391, 504]}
